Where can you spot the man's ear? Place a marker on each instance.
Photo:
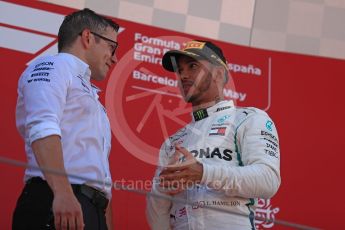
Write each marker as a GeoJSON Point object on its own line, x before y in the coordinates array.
{"type": "Point", "coordinates": [85, 38]}
{"type": "Point", "coordinates": [220, 74]}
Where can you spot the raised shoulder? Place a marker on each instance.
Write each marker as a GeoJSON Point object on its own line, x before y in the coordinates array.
{"type": "Point", "coordinates": [250, 117]}
{"type": "Point", "coordinates": [44, 68]}
{"type": "Point", "coordinates": [244, 113]}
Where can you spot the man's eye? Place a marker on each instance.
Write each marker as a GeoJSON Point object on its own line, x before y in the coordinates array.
{"type": "Point", "coordinates": [193, 65]}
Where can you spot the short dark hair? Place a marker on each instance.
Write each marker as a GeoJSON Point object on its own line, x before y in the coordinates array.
{"type": "Point", "coordinates": [76, 22]}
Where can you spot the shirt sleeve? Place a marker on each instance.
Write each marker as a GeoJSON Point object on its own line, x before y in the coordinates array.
{"type": "Point", "coordinates": [43, 91]}
{"type": "Point", "coordinates": [257, 149]}
{"type": "Point", "coordinates": [158, 209]}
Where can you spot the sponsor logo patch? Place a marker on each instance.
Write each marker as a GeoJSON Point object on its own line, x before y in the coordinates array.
{"type": "Point", "coordinates": [224, 154]}
{"type": "Point", "coordinates": [42, 69]}
{"type": "Point", "coordinates": [223, 108]}
{"type": "Point", "coordinates": [49, 63]}
{"type": "Point", "coordinates": [40, 74]}
{"type": "Point", "coordinates": [220, 131]}
{"type": "Point", "coordinates": [223, 119]}
{"type": "Point", "coordinates": [269, 125]}
{"type": "Point", "coordinates": [39, 79]}
{"type": "Point", "coordinates": [194, 45]}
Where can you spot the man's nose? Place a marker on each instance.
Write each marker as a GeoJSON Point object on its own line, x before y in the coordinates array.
{"type": "Point", "coordinates": [184, 75]}
{"type": "Point", "coordinates": [114, 59]}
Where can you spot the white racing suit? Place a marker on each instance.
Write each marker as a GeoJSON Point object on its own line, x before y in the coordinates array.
{"type": "Point", "coordinates": [239, 150]}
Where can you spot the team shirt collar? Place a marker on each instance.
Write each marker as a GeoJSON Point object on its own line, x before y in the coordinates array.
{"type": "Point", "coordinates": [204, 113]}
{"type": "Point", "coordinates": [78, 64]}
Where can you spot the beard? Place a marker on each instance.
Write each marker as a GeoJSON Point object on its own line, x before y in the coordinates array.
{"type": "Point", "coordinates": [196, 91]}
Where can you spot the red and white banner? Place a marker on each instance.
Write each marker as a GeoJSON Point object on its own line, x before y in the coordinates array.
{"type": "Point", "coordinates": [302, 94]}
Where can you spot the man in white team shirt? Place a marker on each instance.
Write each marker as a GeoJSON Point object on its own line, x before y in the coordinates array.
{"type": "Point", "coordinates": [226, 158]}
{"type": "Point", "coordinates": [65, 128]}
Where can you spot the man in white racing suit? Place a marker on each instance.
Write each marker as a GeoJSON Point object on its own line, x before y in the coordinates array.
{"type": "Point", "coordinates": [221, 162]}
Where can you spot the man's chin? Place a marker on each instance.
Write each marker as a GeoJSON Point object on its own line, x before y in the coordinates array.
{"type": "Point", "coordinates": [188, 99]}
{"type": "Point", "coordinates": [99, 77]}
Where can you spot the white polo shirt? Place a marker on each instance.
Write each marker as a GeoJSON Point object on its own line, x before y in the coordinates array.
{"type": "Point", "coordinates": [56, 97]}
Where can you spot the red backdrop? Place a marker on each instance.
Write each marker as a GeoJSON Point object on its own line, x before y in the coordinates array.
{"type": "Point", "coordinates": [303, 95]}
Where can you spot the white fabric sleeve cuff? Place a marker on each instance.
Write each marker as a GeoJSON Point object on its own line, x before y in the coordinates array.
{"type": "Point", "coordinates": [42, 130]}
{"type": "Point", "coordinates": [209, 173]}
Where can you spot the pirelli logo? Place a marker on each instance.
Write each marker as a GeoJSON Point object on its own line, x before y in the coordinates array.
{"type": "Point", "coordinates": [194, 45]}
